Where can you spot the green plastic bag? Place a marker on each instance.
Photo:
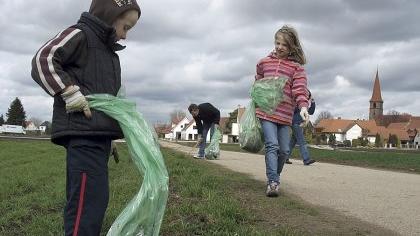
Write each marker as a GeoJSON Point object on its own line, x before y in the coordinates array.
{"type": "Point", "coordinates": [267, 93]}
{"type": "Point", "coordinates": [213, 150]}
{"type": "Point", "coordinates": [250, 133]}
{"type": "Point", "coordinates": [143, 214]}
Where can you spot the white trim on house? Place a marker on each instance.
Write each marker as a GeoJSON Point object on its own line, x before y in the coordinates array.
{"type": "Point", "coordinates": [177, 129]}
{"type": "Point", "coordinates": [190, 133]}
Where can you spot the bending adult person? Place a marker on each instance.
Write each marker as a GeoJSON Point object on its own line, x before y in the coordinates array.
{"type": "Point", "coordinates": [207, 117]}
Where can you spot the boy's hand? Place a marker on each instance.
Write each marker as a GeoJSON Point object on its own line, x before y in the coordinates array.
{"type": "Point", "coordinates": [75, 101]}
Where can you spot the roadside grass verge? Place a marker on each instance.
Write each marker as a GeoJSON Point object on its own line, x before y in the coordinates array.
{"type": "Point", "coordinates": [204, 198]}
{"type": "Point", "coordinates": [378, 159]}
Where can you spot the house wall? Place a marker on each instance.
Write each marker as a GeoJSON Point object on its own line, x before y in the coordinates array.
{"type": "Point", "coordinates": [225, 138]}
{"type": "Point", "coordinates": [417, 140]}
{"type": "Point", "coordinates": [371, 139]}
{"type": "Point", "coordinates": [31, 127]}
{"type": "Point", "coordinates": [190, 133]}
{"type": "Point", "coordinates": [235, 129]}
{"type": "Point", "coordinates": [354, 132]}
{"type": "Point", "coordinates": [168, 136]}
{"type": "Point", "coordinates": [339, 137]}
{"type": "Point", "coordinates": [176, 131]}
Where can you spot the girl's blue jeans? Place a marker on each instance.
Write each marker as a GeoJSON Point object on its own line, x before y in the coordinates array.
{"type": "Point", "coordinates": [276, 139]}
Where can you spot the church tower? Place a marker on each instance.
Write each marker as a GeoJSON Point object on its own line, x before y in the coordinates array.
{"type": "Point", "coordinates": [376, 102]}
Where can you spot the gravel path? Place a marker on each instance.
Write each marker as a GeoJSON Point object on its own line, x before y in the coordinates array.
{"type": "Point", "coordinates": [385, 198]}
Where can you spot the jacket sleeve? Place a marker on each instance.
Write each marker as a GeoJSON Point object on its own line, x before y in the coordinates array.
{"type": "Point", "coordinates": [216, 116]}
{"type": "Point", "coordinates": [299, 89]}
{"type": "Point", "coordinates": [311, 109]}
{"type": "Point", "coordinates": [48, 65]}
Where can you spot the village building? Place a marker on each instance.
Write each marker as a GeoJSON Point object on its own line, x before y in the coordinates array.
{"type": "Point", "coordinates": [404, 126]}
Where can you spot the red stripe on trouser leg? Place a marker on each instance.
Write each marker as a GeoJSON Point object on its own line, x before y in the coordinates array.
{"type": "Point", "coordinates": [80, 207]}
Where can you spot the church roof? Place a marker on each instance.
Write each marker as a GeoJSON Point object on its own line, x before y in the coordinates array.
{"type": "Point", "coordinates": [376, 94]}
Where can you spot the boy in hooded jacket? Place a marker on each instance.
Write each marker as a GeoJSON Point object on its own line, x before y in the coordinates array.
{"type": "Point", "coordinates": [79, 61]}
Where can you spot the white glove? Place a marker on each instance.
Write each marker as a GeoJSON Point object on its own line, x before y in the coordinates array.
{"type": "Point", "coordinates": [75, 101]}
{"type": "Point", "coordinates": [305, 115]}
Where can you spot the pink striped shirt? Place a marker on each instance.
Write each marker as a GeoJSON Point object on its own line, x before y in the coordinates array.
{"type": "Point", "coordinates": [295, 90]}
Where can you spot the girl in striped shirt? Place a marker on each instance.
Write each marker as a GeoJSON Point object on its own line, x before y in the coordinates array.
{"type": "Point", "coordinates": [287, 61]}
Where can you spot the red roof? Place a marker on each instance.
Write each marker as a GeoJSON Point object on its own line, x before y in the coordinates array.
{"type": "Point", "coordinates": [176, 120]}
{"type": "Point", "coordinates": [163, 128]}
{"type": "Point", "coordinates": [376, 94]}
{"type": "Point", "coordinates": [414, 123]}
{"type": "Point", "coordinates": [401, 133]}
{"type": "Point", "coordinates": [334, 125]}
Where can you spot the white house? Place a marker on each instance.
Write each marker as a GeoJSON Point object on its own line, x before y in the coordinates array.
{"type": "Point", "coordinates": [189, 132]}
{"type": "Point", "coordinates": [42, 128]}
{"type": "Point", "coordinates": [353, 133]}
{"type": "Point", "coordinates": [234, 133]}
{"type": "Point", "coordinates": [417, 140]}
{"type": "Point", "coordinates": [342, 129]}
{"type": "Point", "coordinates": [177, 127]}
{"type": "Point", "coordinates": [30, 126]}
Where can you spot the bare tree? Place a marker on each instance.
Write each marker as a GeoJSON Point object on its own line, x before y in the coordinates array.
{"type": "Point", "coordinates": [394, 116]}
{"type": "Point", "coordinates": [37, 122]}
{"type": "Point", "coordinates": [393, 113]}
{"type": "Point", "coordinates": [323, 115]}
{"type": "Point", "coordinates": [177, 114]}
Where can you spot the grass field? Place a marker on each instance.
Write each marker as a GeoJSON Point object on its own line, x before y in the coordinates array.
{"type": "Point", "coordinates": [406, 161]}
{"type": "Point", "coordinates": [204, 198]}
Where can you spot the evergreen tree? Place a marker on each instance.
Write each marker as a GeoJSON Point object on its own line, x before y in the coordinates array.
{"type": "Point", "coordinates": [232, 119]}
{"type": "Point", "coordinates": [378, 141]}
{"type": "Point", "coordinates": [1, 119]}
{"type": "Point", "coordinates": [16, 114]}
{"type": "Point", "coordinates": [332, 139]}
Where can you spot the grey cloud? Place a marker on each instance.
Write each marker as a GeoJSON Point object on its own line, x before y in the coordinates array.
{"type": "Point", "coordinates": [205, 51]}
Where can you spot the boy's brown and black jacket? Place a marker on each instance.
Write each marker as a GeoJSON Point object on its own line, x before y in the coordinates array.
{"type": "Point", "coordinates": [83, 55]}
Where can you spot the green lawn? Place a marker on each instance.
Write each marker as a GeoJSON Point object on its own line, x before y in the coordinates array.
{"type": "Point", "coordinates": [204, 198]}
{"type": "Point", "coordinates": [400, 160]}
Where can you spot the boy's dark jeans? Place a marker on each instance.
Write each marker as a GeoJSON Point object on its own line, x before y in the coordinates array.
{"type": "Point", "coordinates": [86, 185]}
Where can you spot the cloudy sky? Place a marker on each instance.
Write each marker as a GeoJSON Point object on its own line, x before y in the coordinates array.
{"type": "Point", "coordinates": [198, 51]}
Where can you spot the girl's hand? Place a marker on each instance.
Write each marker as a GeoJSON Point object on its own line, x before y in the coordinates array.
{"type": "Point", "coordinates": [305, 115]}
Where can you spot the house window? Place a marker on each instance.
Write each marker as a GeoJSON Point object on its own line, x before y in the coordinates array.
{"type": "Point", "coordinates": [374, 105]}
{"type": "Point", "coordinates": [194, 127]}
{"type": "Point", "coordinates": [182, 126]}
{"type": "Point", "coordinates": [190, 136]}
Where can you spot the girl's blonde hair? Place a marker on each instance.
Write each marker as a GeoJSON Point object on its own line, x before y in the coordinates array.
{"type": "Point", "coordinates": [292, 39]}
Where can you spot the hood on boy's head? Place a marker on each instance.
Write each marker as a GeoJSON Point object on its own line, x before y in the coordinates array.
{"type": "Point", "coordinates": [109, 10]}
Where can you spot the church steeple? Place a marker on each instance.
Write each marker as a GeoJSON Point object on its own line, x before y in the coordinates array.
{"type": "Point", "coordinates": [376, 102]}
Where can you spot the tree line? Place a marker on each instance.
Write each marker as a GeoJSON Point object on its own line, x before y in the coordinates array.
{"type": "Point", "coordinates": [16, 115]}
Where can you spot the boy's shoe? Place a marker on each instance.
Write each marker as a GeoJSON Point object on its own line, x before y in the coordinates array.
{"type": "Point", "coordinates": [288, 161]}
{"type": "Point", "coordinates": [311, 161]}
{"type": "Point", "coordinates": [272, 189]}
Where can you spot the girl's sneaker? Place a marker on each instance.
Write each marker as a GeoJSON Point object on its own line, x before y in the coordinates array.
{"type": "Point", "coordinates": [272, 189]}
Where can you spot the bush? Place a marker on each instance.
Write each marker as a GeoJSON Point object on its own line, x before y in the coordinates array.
{"type": "Point", "coordinates": [347, 143]}
{"type": "Point", "coordinates": [355, 142]}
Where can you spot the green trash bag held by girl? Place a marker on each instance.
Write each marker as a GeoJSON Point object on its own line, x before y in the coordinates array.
{"type": "Point", "coordinates": [267, 93]}
{"type": "Point", "coordinates": [250, 133]}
